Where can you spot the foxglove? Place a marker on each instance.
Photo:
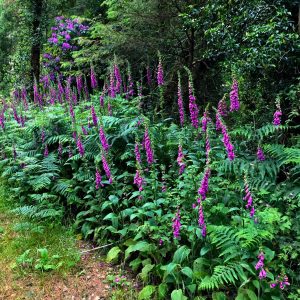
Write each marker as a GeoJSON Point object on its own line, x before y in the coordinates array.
{"type": "Point", "coordinates": [180, 159]}
{"type": "Point", "coordinates": [103, 140]}
{"type": "Point", "coordinates": [106, 169]}
{"type": "Point", "coordinates": [80, 146]}
{"type": "Point", "coordinates": [260, 154]}
{"type": "Point", "coordinates": [176, 225]}
{"type": "Point", "coordinates": [98, 180]}
{"type": "Point", "coordinates": [234, 96]}
{"type": "Point", "coordinates": [148, 148]}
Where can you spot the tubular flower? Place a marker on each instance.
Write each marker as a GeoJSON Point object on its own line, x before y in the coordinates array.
{"type": "Point", "coordinates": [207, 148]}
{"type": "Point", "coordinates": [94, 116]}
{"type": "Point", "coordinates": [180, 102]}
{"type": "Point", "coordinates": [138, 180]}
{"type": "Point", "coordinates": [112, 92]}
{"type": "Point", "coordinates": [118, 79]}
{"type": "Point", "coordinates": [79, 84]}
{"type": "Point", "coordinates": [180, 159]}
{"type": "Point", "coordinates": [218, 122]}
{"type": "Point", "coordinates": [176, 225]}
{"type": "Point", "coordinates": [46, 152]}
{"type": "Point", "coordinates": [260, 266]}
{"type": "Point", "coordinates": [194, 111]}
{"type": "Point", "coordinates": [260, 154]}
{"type": "Point", "coordinates": [103, 140]}
{"type": "Point", "coordinates": [234, 96]}
{"type": "Point", "coordinates": [202, 191]}
{"type": "Point", "coordinates": [201, 220]}
{"type": "Point", "coordinates": [149, 151]}
{"type": "Point", "coordinates": [249, 199]}
{"type": "Point", "coordinates": [106, 169]}
{"type": "Point", "coordinates": [24, 98]}
{"type": "Point", "coordinates": [94, 83]}
{"type": "Point", "coordinates": [137, 153]}
{"type": "Point", "coordinates": [277, 117]}
{"type": "Point", "coordinates": [226, 141]}
{"type": "Point", "coordinates": [98, 180]}
{"type": "Point", "coordinates": [222, 108]}
{"type": "Point", "coordinates": [282, 280]}
{"type": "Point", "coordinates": [160, 73]}
{"type": "Point", "coordinates": [205, 120]}
{"type": "Point", "coordinates": [80, 146]}
{"type": "Point", "coordinates": [84, 131]}
{"type": "Point", "coordinates": [72, 113]}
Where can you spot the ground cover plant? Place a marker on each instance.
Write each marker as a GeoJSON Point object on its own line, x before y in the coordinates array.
{"type": "Point", "coordinates": [166, 132]}
{"type": "Point", "coordinates": [193, 206]}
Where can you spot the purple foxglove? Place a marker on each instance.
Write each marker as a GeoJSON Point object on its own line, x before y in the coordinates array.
{"type": "Point", "coordinates": [94, 116]}
{"type": "Point", "coordinates": [98, 180]}
{"type": "Point", "coordinates": [180, 159]}
{"type": "Point", "coordinates": [148, 148]}
{"type": "Point", "coordinates": [80, 146]}
{"type": "Point", "coordinates": [234, 96]}
{"type": "Point", "coordinates": [106, 169]}
{"type": "Point", "coordinates": [176, 225]}
{"type": "Point", "coordinates": [94, 83]}
{"type": "Point", "coordinates": [260, 154]}
{"type": "Point", "coordinates": [103, 140]}
{"type": "Point", "coordinates": [277, 117]}
{"type": "Point", "coordinates": [137, 153]}
{"type": "Point", "coordinates": [204, 184]}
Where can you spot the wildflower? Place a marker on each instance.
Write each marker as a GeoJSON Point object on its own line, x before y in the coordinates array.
{"type": "Point", "coordinates": [204, 184]}
{"type": "Point", "coordinates": [84, 131]}
{"type": "Point", "coordinates": [103, 140]}
{"type": "Point", "coordinates": [282, 280]}
{"type": "Point", "coordinates": [94, 116]}
{"type": "Point", "coordinates": [138, 180]}
{"type": "Point", "coordinates": [98, 180]}
{"type": "Point", "coordinates": [130, 92]}
{"type": "Point", "coordinates": [66, 46]}
{"type": "Point", "coordinates": [112, 92]}
{"type": "Point", "coordinates": [137, 153]}
{"type": "Point", "coordinates": [207, 148]}
{"type": "Point", "coordinates": [180, 101]}
{"type": "Point", "coordinates": [46, 152]}
{"type": "Point", "coordinates": [160, 242]}
{"type": "Point", "coordinates": [260, 154]}
{"type": "Point", "coordinates": [106, 169]}
{"type": "Point", "coordinates": [94, 83]}
{"type": "Point", "coordinates": [149, 151]}
{"type": "Point", "coordinates": [218, 122]}
{"type": "Point", "coordinates": [201, 220]}
{"type": "Point", "coordinates": [277, 117]}
{"type": "Point", "coordinates": [79, 83]}
{"type": "Point", "coordinates": [160, 72]}
{"type": "Point", "coordinates": [262, 274]}
{"type": "Point", "coordinates": [234, 97]}
{"type": "Point", "coordinates": [205, 119]}
{"type": "Point", "coordinates": [180, 159]}
{"type": "Point", "coordinates": [176, 225]}
{"type": "Point", "coordinates": [222, 108]}
{"type": "Point", "coordinates": [226, 141]}
{"type": "Point", "coordinates": [80, 146]}
{"type": "Point", "coordinates": [118, 79]}
{"type": "Point", "coordinates": [72, 113]}
{"type": "Point", "coordinates": [194, 111]}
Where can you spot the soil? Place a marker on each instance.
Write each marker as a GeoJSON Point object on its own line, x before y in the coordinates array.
{"type": "Point", "coordinates": [86, 283]}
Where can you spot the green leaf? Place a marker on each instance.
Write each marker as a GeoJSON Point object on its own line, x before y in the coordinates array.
{"type": "Point", "coordinates": [218, 296]}
{"type": "Point", "coordinates": [162, 291]}
{"type": "Point", "coordinates": [113, 254]}
{"type": "Point", "coordinates": [181, 254]}
{"type": "Point", "coordinates": [145, 271]}
{"type": "Point", "coordinates": [178, 295]}
{"type": "Point", "coordinates": [187, 271]}
{"type": "Point", "coordinates": [251, 294]}
{"type": "Point", "coordinates": [147, 292]}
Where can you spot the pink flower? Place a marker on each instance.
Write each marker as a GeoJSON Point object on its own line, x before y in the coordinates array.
{"type": "Point", "coordinates": [148, 148]}
{"type": "Point", "coordinates": [103, 140]}
{"type": "Point", "coordinates": [277, 117]}
{"type": "Point", "coordinates": [180, 159]}
{"type": "Point", "coordinates": [106, 169]}
{"type": "Point", "coordinates": [176, 225]}
{"type": "Point", "coordinates": [234, 97]}
{"type": "Point", "coordinates": [260, 154]}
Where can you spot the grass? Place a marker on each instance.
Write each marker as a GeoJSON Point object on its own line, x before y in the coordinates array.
{"type": "Point", "coordinates": [20, 241]}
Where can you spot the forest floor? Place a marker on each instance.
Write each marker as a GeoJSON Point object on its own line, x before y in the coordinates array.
{"type": "Point", "coordinates": [50, 262]}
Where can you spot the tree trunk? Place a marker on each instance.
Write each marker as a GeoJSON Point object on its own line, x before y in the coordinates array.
{"type": "Point", "coordinates": [37, 9]}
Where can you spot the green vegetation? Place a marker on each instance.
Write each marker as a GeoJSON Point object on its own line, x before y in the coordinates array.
{"type": "Point", "coordinates": [164, 131]}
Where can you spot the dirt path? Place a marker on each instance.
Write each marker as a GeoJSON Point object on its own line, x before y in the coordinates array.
{"type": "Point", "coordinates": [86, 280]}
